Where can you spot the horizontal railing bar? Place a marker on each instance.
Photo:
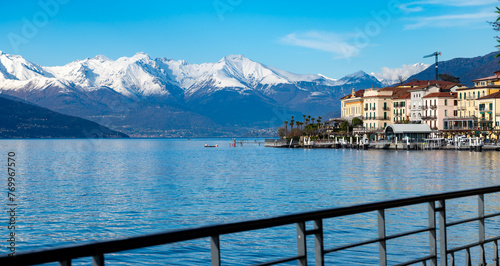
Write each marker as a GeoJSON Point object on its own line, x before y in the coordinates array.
{"type": "Point", "coordinates": [274, 262]}
{"type": "Point", "coordinates": [368, 242]}
{"type": "Point", "coordinates": [117, 245]}
{"type": "Point", "coordinates": [416, 261]}
{"type": "Point", "coordinates": [473, 245]}
{"type": "Point", "coordinates": [472, 219]}
{"type": "Point", "coordinates": [408, 233]}
{"type": "Point", "coordinates": [312, 232]}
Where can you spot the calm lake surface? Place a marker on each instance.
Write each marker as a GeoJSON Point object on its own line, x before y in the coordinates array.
{"type": "Point", "coordinates": [76, 191]}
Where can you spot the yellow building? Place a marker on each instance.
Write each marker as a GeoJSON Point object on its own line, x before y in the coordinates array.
{"type": "Point", "coordinates": [377, 111]}
{"type": "Point", "coordinates": [468, 105]}
{"type": "Point", "coordinates": [489, 111]}
{"type": "Point", "coordinates": [352, 105]}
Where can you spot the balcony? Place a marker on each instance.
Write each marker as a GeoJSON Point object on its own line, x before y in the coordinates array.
{"type": "Point", "coordinates": [366, 109]}
{"type": "Point", "coordinates": [433, 107]}
{"type": "Point", "coordinates": [373, 109]}
{"type": "Point", "coordinates": [423, 107]}
{"type": "Point", "coordinates": [386, 108]}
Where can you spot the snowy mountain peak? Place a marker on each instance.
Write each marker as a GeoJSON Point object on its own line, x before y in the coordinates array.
{"type": "Point", "coordinates": [233, 57]}
{"type": "Point", "coordinates": [17, 68]}
{"type": "Point", "coordinates": [101, 58]}
{"type": "Point", "coordinates": [358, 74]}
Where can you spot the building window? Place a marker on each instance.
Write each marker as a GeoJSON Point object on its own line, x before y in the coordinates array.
{"type": "Point", "coordinates": [455, 102]}
{"type": "Point", "coordinates": [445, 112]}
{"type": "Point", "coordinates": [445, 102]}
{"type": "Point", "coordinates": [474, 95]}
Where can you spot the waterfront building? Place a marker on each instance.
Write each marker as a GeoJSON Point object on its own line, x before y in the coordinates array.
{"type": "Point", "coordinates": [489, 111]}
{"type": "Point", "coordinates": [414, 132]}
{"type": "Point", "coordinates": [420, 89]}
{"type": "Point", "coordinates": [468, 106]}
{"type": "Point", "coordinates": [376, 109]}
{"type": "Point", "coordinates": [352, 105]}
{"type": "Point", "coordinates": [401, 105]}
{"type": "Point", "coordinates": [437, 106]}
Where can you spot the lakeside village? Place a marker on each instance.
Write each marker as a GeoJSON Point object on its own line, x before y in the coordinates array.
{"type": "Point", "coordinates": [413, 115]}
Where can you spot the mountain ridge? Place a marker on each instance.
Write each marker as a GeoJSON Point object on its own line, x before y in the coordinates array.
{"type": "Point", "coordinates": [162, 97]}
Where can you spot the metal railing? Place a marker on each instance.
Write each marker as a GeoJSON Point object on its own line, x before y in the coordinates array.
{"type": "Point", "coordinates": [436, 212]}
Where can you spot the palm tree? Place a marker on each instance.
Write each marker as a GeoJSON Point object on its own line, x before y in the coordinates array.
{"type": "Point", "coordinates": [319, 122]}
{"type": "Point", "coordinates": [298, 123]}
{"type": "Point", "coordinates": [286, 128]}
{"type": "Point", "coordinates": [304, 116]}
{"type": "Point", "coordinates": [291, 126]}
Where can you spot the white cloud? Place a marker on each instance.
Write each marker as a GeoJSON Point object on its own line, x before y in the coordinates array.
{"type": "Point", "coordinates": [324, 41]}
{"type": "Point", "coordinates": [418, 6]}
{"type": "Point", "coordinates": [450, 20]}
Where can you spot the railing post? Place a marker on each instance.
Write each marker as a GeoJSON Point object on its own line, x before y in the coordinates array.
{"type": "Point", "coordinates": [432, 233]}
{"type": "Point", "coordinates": [98, 260]}
{"type": "Point", "coordinates": [215, 250]}
{"type": "Point", "coordinates": [443, 248]}
{"type": "Point", "coordinates": [381, 236]}
{"type": "Point", "coordinates": [468, 260]}
{"type": "Point", "coordinates": [318, 243]}
{"type": "Point", "coordinates": [495, 253]}
{"type": "Point", "coordinates": [301, 243]}
{"type": "Point", "coordinates": [480, 210]}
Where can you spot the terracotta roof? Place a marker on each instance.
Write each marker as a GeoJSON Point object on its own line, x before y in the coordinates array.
{"type": "Point", "coordinates": [488, 78]}
{"type": "Point", "coordinates": [479, 87]}
{"type": "Point", "coordinates": [406, 95]}
{"type": "Point", "coordinates": [495, 95]}
{"type": "Point", "coordinates": [441, 94]}
{"type": "Point", "coordinates": [358, 93]}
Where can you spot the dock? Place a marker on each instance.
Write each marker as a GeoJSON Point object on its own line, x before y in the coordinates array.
{"type": "Point", "coordinates": [379, 145]}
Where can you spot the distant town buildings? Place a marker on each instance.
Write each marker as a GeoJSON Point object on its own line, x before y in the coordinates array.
{"type": "Point", "coordinates": [445, 106]}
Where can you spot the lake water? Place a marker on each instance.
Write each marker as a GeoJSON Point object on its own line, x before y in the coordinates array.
{"type": "Point", "coordinates": [75, 191]}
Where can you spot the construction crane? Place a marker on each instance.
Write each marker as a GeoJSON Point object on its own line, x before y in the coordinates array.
{"type": "Point", "coordinates": [436, 54]}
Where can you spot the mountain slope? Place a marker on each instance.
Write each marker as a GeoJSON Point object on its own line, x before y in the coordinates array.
{"type": "Point", "coordinates": [467, 69]}
{"type": "Point", "coordinates": [22, 120]}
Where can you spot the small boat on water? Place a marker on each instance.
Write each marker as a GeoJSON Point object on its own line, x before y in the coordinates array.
{"type": "Point", "coordinates": [211, 146]}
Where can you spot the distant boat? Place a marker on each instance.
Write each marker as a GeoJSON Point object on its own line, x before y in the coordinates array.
{"type": "Point", "coordinates": [211, 146]}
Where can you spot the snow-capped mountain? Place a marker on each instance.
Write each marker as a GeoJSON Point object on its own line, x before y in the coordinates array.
{"type": "Point", "coordinates": [391, 76]}
{"type": "Point", "coordinates": [157, 95]}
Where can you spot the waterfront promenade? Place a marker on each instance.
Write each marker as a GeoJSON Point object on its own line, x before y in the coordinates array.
{"type": "Point", "coordinates": [381, 145]}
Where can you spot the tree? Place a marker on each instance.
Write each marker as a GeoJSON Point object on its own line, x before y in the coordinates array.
{"type": "Point", "coordinates": [344, 126]}
{"type": "Point", "coordinates": [496, 27]}
{"type": "Point", "coordinates": [286, 127]}
{"type": "Point", "coordinates": [450, 78]}
{"type": "Point", "coordinates": [281, 132]}
{"type": "Point", "coordinates": [357, 122]}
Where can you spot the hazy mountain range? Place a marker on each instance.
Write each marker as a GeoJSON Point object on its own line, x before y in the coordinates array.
{"type": "Point", "coordinates": [161, 97]}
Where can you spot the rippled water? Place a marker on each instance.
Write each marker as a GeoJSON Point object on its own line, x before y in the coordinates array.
{"type": "Point", "coordinates": [74, 191]}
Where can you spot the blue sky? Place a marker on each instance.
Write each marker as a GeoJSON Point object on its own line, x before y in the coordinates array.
{"type": "Point", "coordinates": [333, 38]}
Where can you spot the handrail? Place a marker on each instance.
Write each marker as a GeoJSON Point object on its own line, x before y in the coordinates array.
{"type": "Point", "coordinates": [110, 246]}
